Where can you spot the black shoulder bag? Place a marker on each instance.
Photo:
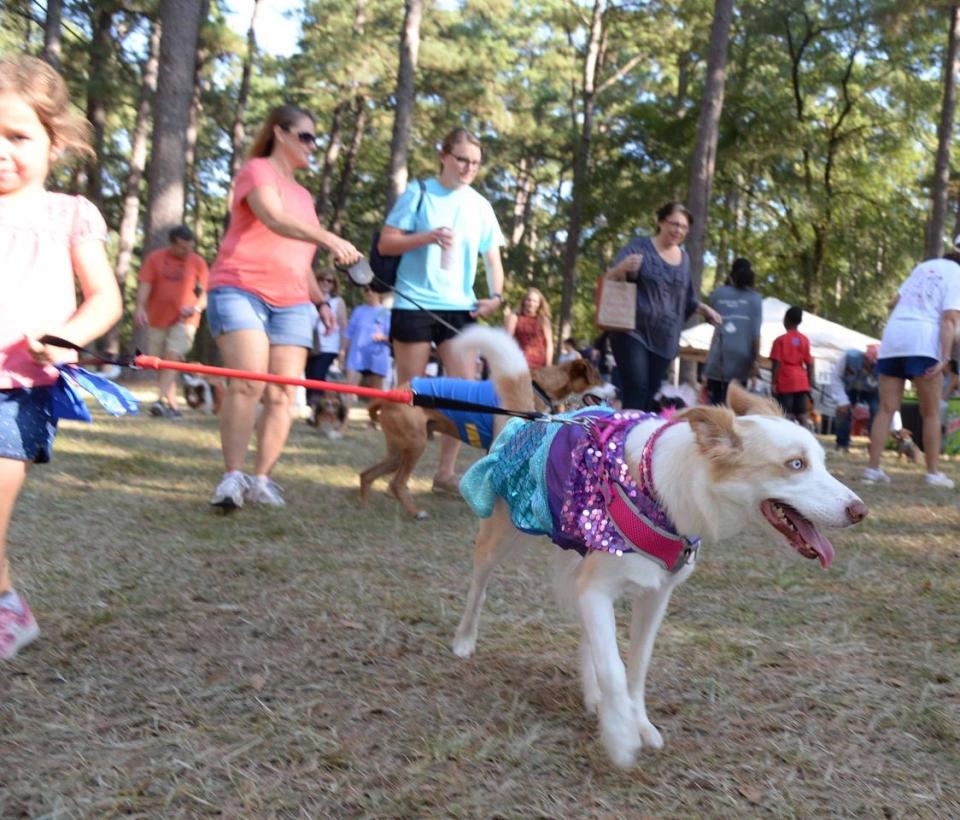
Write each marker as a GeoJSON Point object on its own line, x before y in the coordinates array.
{"type": "Point", "coordinates": [385, 267]}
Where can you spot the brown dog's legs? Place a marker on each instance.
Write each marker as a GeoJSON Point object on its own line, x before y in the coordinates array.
{"type": "Point", "coordinates": [371, 474]}
{"type": "Point", "coordinates": [409, 456]}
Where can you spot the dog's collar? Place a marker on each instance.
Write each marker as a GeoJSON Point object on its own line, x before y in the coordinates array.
{"type": "Point", "coordinates": [661, 544]}
{"type": "Point", "coordinates": [542, 395]}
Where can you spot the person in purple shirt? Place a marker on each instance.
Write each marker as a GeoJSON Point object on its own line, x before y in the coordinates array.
{"type": "Point", "coordinates": [665, 300]}
{"type": "Point", "coordinates": [365, 349]}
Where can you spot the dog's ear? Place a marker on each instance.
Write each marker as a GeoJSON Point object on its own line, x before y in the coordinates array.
{"type": "Point", "coordinates": [713, 428]}
{"type": "Point", "coordinates": [744, 403]}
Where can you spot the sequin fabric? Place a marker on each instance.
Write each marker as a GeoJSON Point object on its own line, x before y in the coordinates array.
{"type": "Point", "coordinates": [554, 476]}
{"type": "Point", "coordinates": [597, 457]}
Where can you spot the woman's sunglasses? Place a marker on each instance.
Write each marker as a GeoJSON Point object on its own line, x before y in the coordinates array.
{"type": "Point", "coordinates": [306, 137]}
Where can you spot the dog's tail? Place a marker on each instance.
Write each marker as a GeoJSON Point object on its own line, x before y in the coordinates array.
{"type": "Point", "coordinates": [508, 367]}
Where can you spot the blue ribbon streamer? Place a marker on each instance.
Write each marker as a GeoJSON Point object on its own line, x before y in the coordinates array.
{"type": "Point", "coordinates": [68, 400]}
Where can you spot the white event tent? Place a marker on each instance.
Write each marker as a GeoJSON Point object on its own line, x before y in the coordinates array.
{"type": "Point", "coordinates": [828, 340]}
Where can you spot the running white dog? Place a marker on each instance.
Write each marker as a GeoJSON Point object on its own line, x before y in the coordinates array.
{"type": "Point", "coordinates": [709, 471]}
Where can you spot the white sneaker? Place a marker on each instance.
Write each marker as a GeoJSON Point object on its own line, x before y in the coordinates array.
{"type": "Point", "coordinates": [230, 491]}
{"type": "Point", "coordinates": [939, 480]}
{"type": "Point", "coordinates": [264, 490]}
{"type": "Point", "coordinates": [871, 476]}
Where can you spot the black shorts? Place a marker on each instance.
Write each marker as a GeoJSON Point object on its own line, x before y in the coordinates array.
{"type": "Point", "coordinates": [793, 404]}
{"type": "Point", "coordinates": [419, 326]}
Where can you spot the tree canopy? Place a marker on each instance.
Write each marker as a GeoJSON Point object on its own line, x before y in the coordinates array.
{"type": "Point", "coordinates": [824, 162]}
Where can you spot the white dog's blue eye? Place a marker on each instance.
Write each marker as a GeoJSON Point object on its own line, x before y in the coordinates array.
{"type": "Point", "coordinates": [796, 464]}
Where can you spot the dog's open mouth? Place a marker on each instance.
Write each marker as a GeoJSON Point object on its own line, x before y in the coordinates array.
{"type": "Point", "coordinates": [799, 531]}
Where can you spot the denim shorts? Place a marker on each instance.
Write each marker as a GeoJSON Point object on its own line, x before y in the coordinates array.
{"type": "Point", "coordinates": [230, 309]}
{"type": "Point", "coordinates": [27, 425]}
{"type": "Point", "coordinates": [905, 367]}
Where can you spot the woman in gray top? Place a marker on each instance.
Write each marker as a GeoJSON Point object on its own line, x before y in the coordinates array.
{"type": "Point", "coordinates": [736, 340]}
{"type": "Point", "coordinates": [665, 300]}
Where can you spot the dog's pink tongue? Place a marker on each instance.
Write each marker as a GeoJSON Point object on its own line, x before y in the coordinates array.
{"type": "Point", "coordinates": [812, 536]}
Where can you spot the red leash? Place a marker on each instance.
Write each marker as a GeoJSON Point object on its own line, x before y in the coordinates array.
{"type": "Point", "coordinates": [409, 397]}
{"type": "Point", "coordinates": [155, 363]}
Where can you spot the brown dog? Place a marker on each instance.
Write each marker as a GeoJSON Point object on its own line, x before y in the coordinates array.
{"type": "Point", "coordinates": [906, 446]}
{"type": "Point", "coordinates": [406, 428]}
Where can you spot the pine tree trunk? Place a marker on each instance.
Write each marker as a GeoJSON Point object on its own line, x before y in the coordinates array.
{"type": "Point", "coordinates": [237, 131]}
{"type": "Point", "coordinates": [580, 172]}
{"type": "Point", "coordinates": [933, 246]}
{"type": "Point", "coordinates": [330, 157]}
{"type": "Point", "coordinates": [349, 162]}
{"type": "Point", "coordinates": [705, 152]}
{"type": "Point", "coordinates": [405, 97]}
{"type": "Point", "coordinates": [52, 36]}
{"type": "Point", "coordinates": [167, 171]}
{"type": "Point", "coordinates": [97, 93]}
{"type": "Point", "coordinates": [131, 188]}
{"type": "Point", "coordinates": [193, 128]}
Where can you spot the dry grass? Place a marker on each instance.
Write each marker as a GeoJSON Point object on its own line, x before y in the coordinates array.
{"type": "Point", "coordinates": [295, 663]}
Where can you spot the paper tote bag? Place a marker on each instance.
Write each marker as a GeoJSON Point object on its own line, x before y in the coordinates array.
{"type": "Point", "coordinates": [616, 304]}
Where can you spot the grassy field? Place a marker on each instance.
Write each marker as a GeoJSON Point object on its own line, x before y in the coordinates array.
{"type": "Point", "coordinates": [296, 663]}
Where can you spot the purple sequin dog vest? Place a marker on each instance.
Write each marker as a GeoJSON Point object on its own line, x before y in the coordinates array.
{"type": "Point", "coordinates": [594, 501]}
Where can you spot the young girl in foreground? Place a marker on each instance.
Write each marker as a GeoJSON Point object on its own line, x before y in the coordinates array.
{"type": "Point", "coordinates": [46, 239]}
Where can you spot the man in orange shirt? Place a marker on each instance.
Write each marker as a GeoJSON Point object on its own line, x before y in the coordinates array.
{"type": "Point", "coordinates": [171, 296]}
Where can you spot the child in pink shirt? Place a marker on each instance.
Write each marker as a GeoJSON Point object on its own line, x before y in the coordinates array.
{"type": "Point", "coordinates": [47, 241]}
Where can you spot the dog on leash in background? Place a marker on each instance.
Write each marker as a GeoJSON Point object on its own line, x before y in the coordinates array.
{"type": "Point", "coordinates": [406, 428]}
{"type": "Point", "coordinates": [204, 393]}
{"type": "Point", "coordinates": [328, 414]}
{"type": "Point", "coordinates": [906, 446]}
{"type": "Point", "coordinates": [656, 486]}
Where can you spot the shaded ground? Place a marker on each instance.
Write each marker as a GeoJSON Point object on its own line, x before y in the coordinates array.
{"type": "Point", "coordinates": [295, 662]}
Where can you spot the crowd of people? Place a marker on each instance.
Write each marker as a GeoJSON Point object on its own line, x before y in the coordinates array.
{"type": "Point", "coordinates": [268, 312]}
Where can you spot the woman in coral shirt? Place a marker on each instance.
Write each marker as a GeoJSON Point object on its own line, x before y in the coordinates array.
{"type": "Point", "coordinates": [263, 299]}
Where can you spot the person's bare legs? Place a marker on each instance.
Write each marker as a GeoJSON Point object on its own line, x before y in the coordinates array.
{"type": "Point", "coordinates": [275, 420]}
{"type": "Point", "coordinates": [462, 368]}
{"type": "Point", "coordinates": [891, 393]}
{"type": "Point", "coordinates": [411, 359]}
{"type": "Point", "coordinates": [12, 474]}
{"type": "Point", "coordinates": [929, 389]}
{"type": "Point", "coordinates": [241, 350]}
{"type": "Point", "coordinates": [168, 381]}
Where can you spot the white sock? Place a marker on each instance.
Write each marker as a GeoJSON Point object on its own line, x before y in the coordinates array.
{"type": "Point", "coordinates": [10, 600]}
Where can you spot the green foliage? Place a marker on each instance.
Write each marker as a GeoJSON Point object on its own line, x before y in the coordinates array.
{"type": "Point", "coordinates": [822, 172]}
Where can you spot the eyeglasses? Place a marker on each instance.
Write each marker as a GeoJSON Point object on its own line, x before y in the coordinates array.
{"type": "Point", "coordinates": [680, 226]}
{"type": "Point", "coordinates": [305, 137]}
{"type": "Point", "coordinates": [324, 279]}
{"type": "Point", "coordinates": [467, 162]}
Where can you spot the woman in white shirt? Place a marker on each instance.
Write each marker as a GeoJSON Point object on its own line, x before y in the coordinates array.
{"type": "Point", "coordinates": [326, 346]}
{"type": "Point", "coordinates": [916, 345]}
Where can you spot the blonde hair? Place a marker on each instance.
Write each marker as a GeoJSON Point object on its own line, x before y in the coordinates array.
{"type": "Point", "coordinates": [543, 312]}
{"type": "Point", "coordinates": [44, 90]}
{"type": "Point", "coordinates": [332, 274]}
{"type": "Point", "coordinates": [283, 115]}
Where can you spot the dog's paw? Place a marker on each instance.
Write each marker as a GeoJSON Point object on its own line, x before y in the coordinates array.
{"type": "Point", "coordinates": [650, 735]}
{"type": "Point", "coordinates": [622, 747]}
{"type": "Point", "coordinates": [422, 515]}
{"type": "Point", "coordinates": [463, 647]}
{"type": "Point", "coordinates": [591, 701]}
{"type": "Point", "coordinates": [620, 736]}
